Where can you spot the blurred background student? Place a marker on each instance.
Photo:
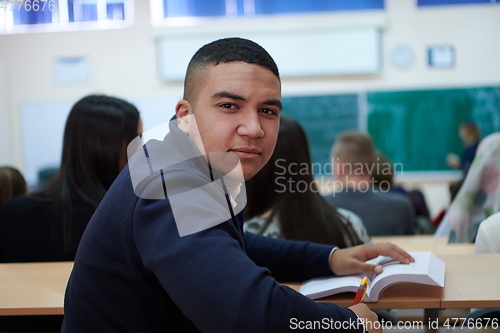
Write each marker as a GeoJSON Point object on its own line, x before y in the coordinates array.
{"type": "Point", "coordinates": [470, 136]}
{"type": "Point", "coordinates": [48, 225]}
{"type": "Point", "coordinates": [383, 214]}
{"type": "Point", "coordinates": [12, 184]}
{"type": "Point", "coordinates": [283, 200]}
{"type": "Point", "coordinates": [479, 196]}
{"type": "Point", "coordinates": [488, 235]}
{"type": "Point", "coordinates": [383, 179]}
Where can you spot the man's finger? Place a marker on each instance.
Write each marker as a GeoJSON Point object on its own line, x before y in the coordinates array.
{"type": "Point", "coordinates": [393, 251]}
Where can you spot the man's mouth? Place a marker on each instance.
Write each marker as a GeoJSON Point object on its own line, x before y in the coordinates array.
{"type": "Point", "coordinates": [246, 152]}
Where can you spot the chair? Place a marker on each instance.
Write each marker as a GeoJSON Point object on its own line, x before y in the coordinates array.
{"type": "Point", "coordinates": [484, 314]}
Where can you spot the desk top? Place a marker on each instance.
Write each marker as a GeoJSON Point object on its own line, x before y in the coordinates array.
{"type": "Point", "coordinates": [437, 245]}
{"type": "Point", "coordinates": [33, 288]}
{"type": "Point", "coordinates": [423, 242]}
{"type": "Point", "coordinates": [471, 281]}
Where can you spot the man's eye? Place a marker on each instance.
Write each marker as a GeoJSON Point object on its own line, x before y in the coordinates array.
{"type": "Point", "coordinates": [268, 111]}
{"type": "Point", "coordinates": [228, 106]}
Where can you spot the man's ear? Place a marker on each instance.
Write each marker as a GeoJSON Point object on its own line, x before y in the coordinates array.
{"type": "Point", "coordinates": [183, 108]}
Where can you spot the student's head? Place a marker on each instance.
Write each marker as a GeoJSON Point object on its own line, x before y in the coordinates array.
{"type": "Point", "coordinates": [353, 153]}
{"type": "Point", "coordinates": [285, 187]}
{"type": "Point", "coordinates": [233, 89]}
{"type": "Point", "coordinates": [97, 132]}
{"type": "Point", "coordinates": [12, 184]}
{"type": "Point", "coordinates": [469, 133]}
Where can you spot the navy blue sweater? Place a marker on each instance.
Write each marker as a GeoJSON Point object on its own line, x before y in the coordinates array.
{"type": "Point", "coordinates": [134, 273]}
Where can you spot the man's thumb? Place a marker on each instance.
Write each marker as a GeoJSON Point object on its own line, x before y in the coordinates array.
{"type": "Point", "coordinates": [371, 269]}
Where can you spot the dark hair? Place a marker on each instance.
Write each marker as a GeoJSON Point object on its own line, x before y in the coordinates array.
{"type": "Point", "coordinates": [224, 51]}
{"type": "Point", "coordinates": [383, 173]}
{"type": "Point", "coordinates": [302, 216]}
{"type": "Point", "coordinates": [97, 132]}
{"type": "Point", "coordinates": [12, 184]}
{"type": "Point", "coordinates": [473, 133]}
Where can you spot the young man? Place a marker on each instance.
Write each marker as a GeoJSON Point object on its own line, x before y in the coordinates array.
{"type": "Point", "coordinates": [146, 265]}
{"type": "Point", "coordinates": [383, 214]}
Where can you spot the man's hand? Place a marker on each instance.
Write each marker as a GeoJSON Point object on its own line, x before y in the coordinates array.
{"type": "Point", "coordinates": [368, 316]}
{"type": "Point", "coordinates": [352, 260]}
{"type": "Point", "coordinates": [453, 161]}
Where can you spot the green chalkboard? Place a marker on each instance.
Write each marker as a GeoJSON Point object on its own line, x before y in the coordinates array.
{"type": "Point", "coordinates": [323, 117]}
{"type": "Point", "coordinates": [419, 128]}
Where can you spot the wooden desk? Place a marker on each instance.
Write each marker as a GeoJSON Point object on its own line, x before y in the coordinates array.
{"type": "Point", "coordinates": [437, 245]}
{"type": "Point", "coordinates": [454, 249]}
{"type": "Point", "coordinates": [471, 281]}
{"type": "Point", "coordinates": [33, 288]}
{"type": "Point", "coordinates": [414, 242]}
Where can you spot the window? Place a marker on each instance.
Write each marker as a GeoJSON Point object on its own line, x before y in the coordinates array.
{"type": "Point", "coordinates": [423, 3]}
{"type": "Point", "coordinates": [21, 16]}
{"type": "Point", "coordinates": [176, 9]}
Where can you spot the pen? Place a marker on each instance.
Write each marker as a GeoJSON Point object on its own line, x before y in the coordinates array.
{"type": "Point", "coordinates": [360, 294]}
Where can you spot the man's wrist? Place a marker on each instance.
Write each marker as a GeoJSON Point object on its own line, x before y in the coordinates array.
{"type": "Point", "coordinates": [330, 262]}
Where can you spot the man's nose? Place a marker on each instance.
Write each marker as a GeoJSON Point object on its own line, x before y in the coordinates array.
{"type": "Point", "coordinates": [250, 126]}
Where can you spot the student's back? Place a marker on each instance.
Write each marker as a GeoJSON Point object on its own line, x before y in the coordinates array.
{"type": "Point", "coordinates": [479, 195]}
{"type": "Point", "coordinates": [383, 214]}
{"type": "Point", "coordinates": [488, 235]}
{"type": "Point", "coordinates": [48, 225]}
{"type": "Point", "coordinates": [28, 234]}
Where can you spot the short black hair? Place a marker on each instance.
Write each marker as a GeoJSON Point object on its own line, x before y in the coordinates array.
{"type": "Point", "coordinates": [223, 51]}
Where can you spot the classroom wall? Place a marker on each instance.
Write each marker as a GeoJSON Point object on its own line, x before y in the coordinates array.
{"type": "Point", "coordinates": [6, 141]}
{"type": "Point", "coordinates": [123, 62]}
{"type": "Point", "coordinates": [469, 28]}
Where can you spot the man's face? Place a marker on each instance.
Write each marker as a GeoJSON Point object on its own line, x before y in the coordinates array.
{"type": "Point", "coordinates": [237, 111]}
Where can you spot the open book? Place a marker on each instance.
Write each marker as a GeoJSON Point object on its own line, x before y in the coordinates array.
{"type": "Point", "coordinates": [427, 269]}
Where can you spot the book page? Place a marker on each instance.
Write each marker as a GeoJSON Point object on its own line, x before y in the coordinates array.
{"type": "Point", "coordinates": [322, 287]}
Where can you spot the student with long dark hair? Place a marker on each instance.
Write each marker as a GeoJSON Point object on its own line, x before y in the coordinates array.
{"type": "Point", "coordinates": [283, 200]}
{"type": "Point", "coordinates": [48, 225]}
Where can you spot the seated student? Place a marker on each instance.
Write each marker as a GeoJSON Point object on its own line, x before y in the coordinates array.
{"type": "Point", "coordinates": [165, 249]}
{"type": "Point", "coordinates": [12, 184]}
{"type": "Point", "coordinates": [470, 135]}
{"type": "Point", "coordinates": [479, 196]}
{"type": "Point", "coordinates": [47, 225]}
{"type": "Point", "coordinates": [283, 200]}
{"type": "Point", "coordinates": [383, 214]}
{"type": "Point", "coordinates": [383, 179]}
{"type": "Point", "coordinates": [488, 235]}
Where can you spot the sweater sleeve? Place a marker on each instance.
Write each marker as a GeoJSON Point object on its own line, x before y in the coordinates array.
{"type": "Point", "coordinates": [218, 287]}
{"type": "Point", "coordinates": [289, 260]}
